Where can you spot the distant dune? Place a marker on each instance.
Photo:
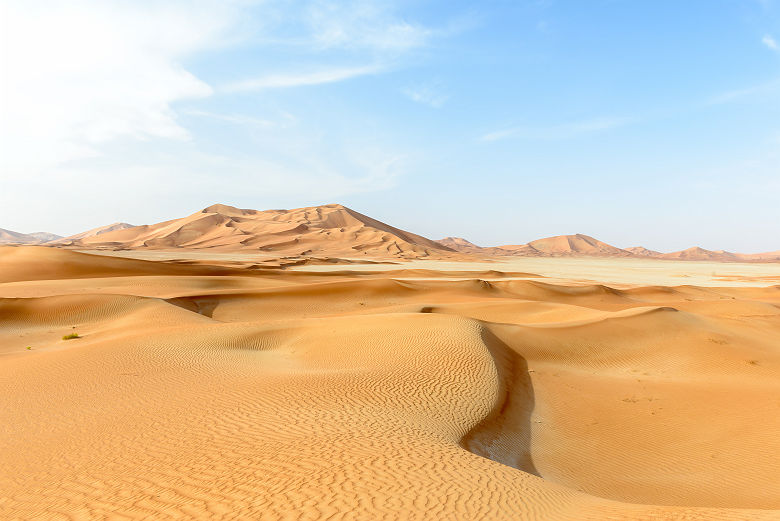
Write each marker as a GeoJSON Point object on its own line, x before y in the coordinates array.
{"type": "Point", "coordinates": [581, 245]}
{"type": "Point", "coordinates": [641, 251]}
{"type": "Point", "coordinates": [700, 254]}
{"type": "Point", "coordinates": [335, 231]}
{"type": "Point", "coordinates": [771, 256]}
{"type": "Point", "coordinates": [11, 237]}
{"type": "Point", "coordinates": [462, 245]}
{"type": "Point", "coordinates": [459, 244]}
{"type": "Point", "coordinates": [94, 232]}
{"type": "Point", "coordinates": [566, 245]}
{"type": "Point", "coordinates": [558, 246]}
{"type": "Point", "coordinates": [697, 253]}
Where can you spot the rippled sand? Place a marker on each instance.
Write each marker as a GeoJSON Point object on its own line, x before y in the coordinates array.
{"type": "Point", "coordinates": [217, 390]}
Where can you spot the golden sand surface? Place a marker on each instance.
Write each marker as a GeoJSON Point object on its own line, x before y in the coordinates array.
{"type": "Point", "coordinates": [227, 389]}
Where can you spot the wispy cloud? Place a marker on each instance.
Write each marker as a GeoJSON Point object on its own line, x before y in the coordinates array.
{"type": "Point", "coordinates": [562, 131]}
{"type": "Point", "coordinates": [366, 25]}
{"type": "Point", "coordinates": [118, 70]}
{"type": "Point", "coordinates": [756, 91]}
{"type": "Point", "coordinates": [426, 95]}
{"type": "Point", "coordinates": [241, 119]}
{"type": "Point", "coordinates": [770, 42]}
{"type": "Point", "coordinates": [114, 73]}
{"type": "Point", "coordinates": [301, 79]}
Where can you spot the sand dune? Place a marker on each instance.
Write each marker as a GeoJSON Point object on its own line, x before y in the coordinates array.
{"type": "Point", "coordinates": [565, 246]}
{"type": "Point", "coordinates": [10, 237]}
{"type": "Point", "coordinates": [557, 246]}
{"type": "Point", "coordinates": [580, 245]}
{"type": "Point", "coordinates": [700, 254]}
{"type": "Point", "coordinates": [94, 232]}
{"type": "Point", "coordinates": [459, 244]}
{"type": "Point", "coordinates": [200, 391]}
{"type": "Point", "coordinates": [575, 245]}
{"type": "Point", "coordinates": [330, 229]}
{"type": "Point", "coordinates": [641, 251]}
{"type": "Point", "coordinates": [696, 253]}
{"type": "Point", "coordinates": [42, 263]}
{"type": "Point", "coordinates": [336, 232]}
{"type": "Point", "coordinates": [462, 245]}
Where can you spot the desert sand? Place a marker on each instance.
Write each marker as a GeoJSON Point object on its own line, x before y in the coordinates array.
{"type": "Point", "coordinates": [222, 387]}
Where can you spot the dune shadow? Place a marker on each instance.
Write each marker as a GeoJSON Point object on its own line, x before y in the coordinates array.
{"type": "Point", "coordinates": [204, 305]}
{"type": "Point", "coordinates": [505, 435]}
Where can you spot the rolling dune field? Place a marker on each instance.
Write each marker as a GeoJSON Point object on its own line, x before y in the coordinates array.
{"type": "Point", "coordinates": [233, 389]}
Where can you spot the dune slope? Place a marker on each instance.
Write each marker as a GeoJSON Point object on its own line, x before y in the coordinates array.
{"type": "Point", "coordinates": [288, 395]}
{"type": "Point", "coordinates": [331, 229]}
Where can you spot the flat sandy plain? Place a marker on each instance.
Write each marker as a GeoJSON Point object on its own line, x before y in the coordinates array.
{"type": "Point", "coordinates": [218, 387]}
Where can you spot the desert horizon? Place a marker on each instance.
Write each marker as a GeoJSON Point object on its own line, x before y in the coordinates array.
{"type": "Point", "coordinates": [341, 260]}
{"type": "Point", "coordinates": [120, 235]}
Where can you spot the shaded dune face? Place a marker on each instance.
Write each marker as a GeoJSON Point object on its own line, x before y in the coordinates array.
{"type": "Point", "coordinates": [235, 394]}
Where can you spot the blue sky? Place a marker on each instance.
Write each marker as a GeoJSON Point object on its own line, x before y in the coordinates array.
{"type": "Point", "coordinates": [637, 122]}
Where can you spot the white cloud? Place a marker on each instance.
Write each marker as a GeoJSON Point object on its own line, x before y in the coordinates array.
{"type": "Point", "coordinates": [276, 81]}
{"type": "Point", "coordinates": [236, 119]}
{"type": "Point", "coordinates": [770, 42]}
{"type": "Point", "coordinates": [93, 100]}
{"type": "Point", "coordinates": [563, 131]}
{"type": "Point", "coordinates": [78, 74]}
{"type": "Point", "coordinates": [360, 24]}
{"type": "Point", "coordinates": [761, 90]}
{"type": "Point", "coordinates": [426, 95]}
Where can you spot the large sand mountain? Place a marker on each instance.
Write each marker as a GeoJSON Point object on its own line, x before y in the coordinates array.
{"type": "Point", "coordinates": [11, 237]}
{"type": "Point", "coordinates": [331, 229]}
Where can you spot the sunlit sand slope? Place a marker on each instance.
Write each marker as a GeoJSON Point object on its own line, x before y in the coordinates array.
{"type": "Point", "coordinates": [277, 395]}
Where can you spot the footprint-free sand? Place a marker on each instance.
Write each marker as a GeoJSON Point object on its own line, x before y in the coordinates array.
{"type": "Point", "coordinates": [225, 388]}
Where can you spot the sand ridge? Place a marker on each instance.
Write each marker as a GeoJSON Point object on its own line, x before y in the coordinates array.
{"type": "Point", "coordinates": [224, 392]}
